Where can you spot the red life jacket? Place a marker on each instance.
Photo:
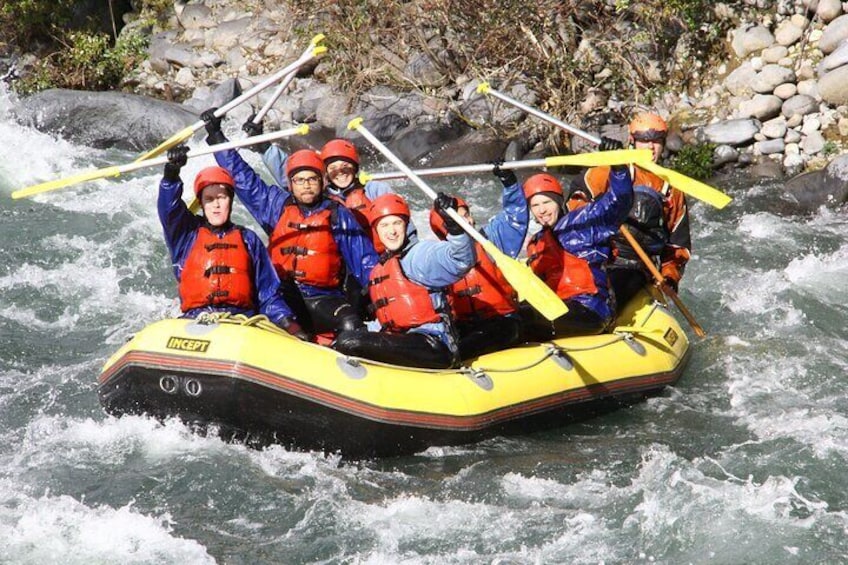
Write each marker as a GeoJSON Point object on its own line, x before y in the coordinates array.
{"type": "Point", "coordinates": [218, 271]}
{"type": "Point", "coordinates": [483, 292]}
{"type": "Point", "coordinates": [399, 303]}
{"type": "Point", "coordinates": [304, 249]}
{"type": "Point", "coordinates": [357, 202]}
{"type": "Point", "coordinates": [566, 274]}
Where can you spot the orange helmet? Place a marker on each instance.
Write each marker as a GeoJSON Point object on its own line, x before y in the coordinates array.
{"type": "Point", "coordinates": [388, 205]}
{"type": "Point", "coordinates": [212, 175]}
{"type": "Point", "coordinates": [437, 224]}
{"type": "Point", "coordinates": [648, 127]}
{"type": "Point", "coordinates": [304, 159]}
{"type": "Point", "coordinates": [541, 182]}
{"type": "Point", "coordinates": [336, 149]}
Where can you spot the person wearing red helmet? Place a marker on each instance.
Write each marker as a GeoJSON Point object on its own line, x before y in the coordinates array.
{"type": "Point", "coordinates": [571, 250]}
{"type": "Point", "coordinates": [314, 242]}
{"type": "Point", "coordinates": [407, 290]}
{"type": "Point", "coordinates": [483, 303]}
{"type": "Point", "coordinates": [659, 219]}
{"type": "Point", "coordinates": [220, 266]}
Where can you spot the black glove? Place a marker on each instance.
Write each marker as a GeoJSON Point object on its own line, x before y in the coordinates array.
{"type": "Point", "coordinates": [507, 177]}
{"type": "Point", "coordinates": [444, 202]}
{"type": "Point", "coordinates": [610, 144]}
{"type": "Point", "coordinates": [252, 129]}
{"type": "Point", "coordinates": [213, 127]}
{"type": "Point", "coordinates": [294, 329]}
{"type": "Point", "coordinates": [177, 157]}
{"type": "Point", "coordinates": [672, 284]}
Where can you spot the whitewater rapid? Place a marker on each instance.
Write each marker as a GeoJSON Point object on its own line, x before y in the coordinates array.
{"type": "Point", "coordinates": [742, 462]}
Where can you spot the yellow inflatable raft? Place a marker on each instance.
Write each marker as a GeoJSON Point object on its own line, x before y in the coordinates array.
{"type": "Point", "coordinates": [254, 383]}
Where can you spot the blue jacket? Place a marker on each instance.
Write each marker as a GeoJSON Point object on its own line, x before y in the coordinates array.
{"type": "Point", "coordinates": [437, 265]}
{"type": "Point", "coordinates": [508, 228]}
{"type": "Point", "coordinates": [586, 233]}
{"type": "Point", "coordinates": [275, 161]}
{"type": "Point", "coordinates": [180, 227]}
{"type": "Point", "coordinates": [266, 203]}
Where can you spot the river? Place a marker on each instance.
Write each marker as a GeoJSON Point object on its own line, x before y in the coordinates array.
{"type": "Point", "coordinates": [744, 461]}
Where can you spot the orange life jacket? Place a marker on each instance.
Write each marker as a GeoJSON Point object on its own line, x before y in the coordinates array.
{"type": "Point", "coordinates": [483, 292]}
{"type": "Point", "coordinates": [399, 303]}
{"type": "Point", "coordinates": [566, 274]}
{"type": "Point", "coordinates": [302, 248]}
{"type": "Point", "coordinates": [218, 271]}
{"type": "Point", "coordinates": [358, 202]}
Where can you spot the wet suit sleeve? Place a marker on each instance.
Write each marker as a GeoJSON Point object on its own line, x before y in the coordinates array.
{"type": "Point", "coordinates": [178, 224]}
{"type": "Point", "coordinates": [437, 264]}
{"type": "Point", "coordinates": [356, 247]}
{"type": "Point", "coordinates": [275, 161]}
{"type": "Point", "coordinates": [264, 202]}
{"type": "Point", "coordinates": [508, 228]}
{"type": "Point", "coordinates": [596, 222]}
{"type": "Point", "coordinates": [676, 253]}
{"type": "Point", "coordinates": [265, 281]}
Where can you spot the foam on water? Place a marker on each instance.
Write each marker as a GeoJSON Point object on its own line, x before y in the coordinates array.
{"type": "Point", "coordinates": [46, 528]}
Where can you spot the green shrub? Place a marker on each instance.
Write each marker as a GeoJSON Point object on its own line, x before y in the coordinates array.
{"type": "Point", "coordinates": [695, 160]}
{"type": "Point", "coordinates": [88, 62]}
{"type": "Point", "coordinates": [26, 21]}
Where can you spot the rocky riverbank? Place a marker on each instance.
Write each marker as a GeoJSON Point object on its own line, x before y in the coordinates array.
{"type": "Point", "coordinates": [777, 104]}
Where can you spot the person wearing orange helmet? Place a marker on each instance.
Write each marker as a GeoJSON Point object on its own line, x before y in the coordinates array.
{"type": "Point", "coordinates": [483, 303]}
{"type": "Point", "coordinates": [407, 290]}
{"type": "Point", "coordinates": [659, 219]}
{"type": "Point", "coordinates": [220, 266]}
{"type": "Point", "coordinates": [571, 251]}
{"type": "Point", "coordinates": [314, 241]}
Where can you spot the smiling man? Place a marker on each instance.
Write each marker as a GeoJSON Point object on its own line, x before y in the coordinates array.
{"type": "Point", "coordinates": [313, 240]}
{"type": "Point", "coordinates": [220, 266]}
{"type": "Point", "coordinates": [407, 290]}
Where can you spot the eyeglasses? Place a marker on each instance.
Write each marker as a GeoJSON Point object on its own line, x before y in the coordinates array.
{"type": "Point", "coordinates": [303, 181]}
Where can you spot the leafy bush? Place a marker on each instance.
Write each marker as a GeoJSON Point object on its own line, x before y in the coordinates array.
{"type": "Point", "coordinates": [26, 21]}
{"type": "Point", "coordinates": [695, 160]}
{"type": "Point", "coordinates": [88, 62]}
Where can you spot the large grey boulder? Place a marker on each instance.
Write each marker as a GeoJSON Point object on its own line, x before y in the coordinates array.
{"type": "Point", "coordinates": [832, 86]}
{"type": "Point", "coordinates": [751, 40]}
{"type": "Point", "coordinates": [104, 119]}
{"type": "Point", "coordinates": [731, 132]}
{"type": "Point", "coordinates": [835, 32]}
{"type": "Point", "coordinates": [826, 187]}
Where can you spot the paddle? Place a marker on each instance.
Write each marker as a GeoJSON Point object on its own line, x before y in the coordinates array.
{"type": "Point", "coordinates": [523, 280]}
{"type": "Point", "coordinates": [287, 80]}
{"type": "Point", "coordinates": [705, 192]}
{"type": "Point", "coordinates": [135, 165]}
{"type": "Point", "coordinates": [679, 181]}
{"type": "Point", "coordinates": [605, 158]}
{"type": "Point", "coordinates": [314, 50]}
{"type": "Point", "coordinates": [659, 280]}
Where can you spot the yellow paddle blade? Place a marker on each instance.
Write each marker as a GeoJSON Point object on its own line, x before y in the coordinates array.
{"type": "Point", "coordinates": [67, 181]}
{"type": "Point", "coordinates": [525, 282]}
{"type": "Point", "coordinates": [600, 159]}
{"type": "Point", "coordinates": [690, 186]}
{"type": "Point", "coordinates": [175, 139]}
{"type": "Point", "coordinates": [194, 207]}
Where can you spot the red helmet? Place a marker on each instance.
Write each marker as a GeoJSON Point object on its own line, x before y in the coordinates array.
{"type": "Point", "coordinates": [339, 149]}
{"type": "Point", "coordinates": [648, 126]}
{"type": "Point", "coordinates": [437, 224]}
{"type": "Point", "coordinates": [212, 175]}
{"type": "Point", "coordinates": [388, 205]}
{"type": "Point", "coordinates": [541, 182]}
{"type": "Point", "coordinates": [304, 159]}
